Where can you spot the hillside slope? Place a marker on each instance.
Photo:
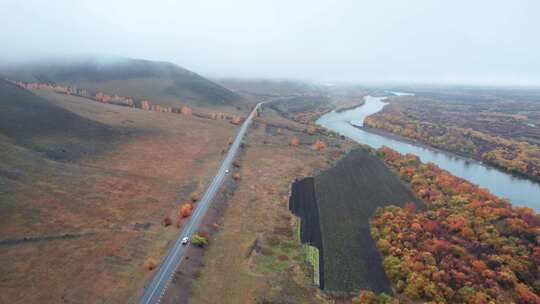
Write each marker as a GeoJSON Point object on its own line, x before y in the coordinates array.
{"type": "Point", "coordinates": [77, 222]}
{"type": "Point", "coordinates": [161, 82]}
{"type": "Point", "coordinates": [35, 123]}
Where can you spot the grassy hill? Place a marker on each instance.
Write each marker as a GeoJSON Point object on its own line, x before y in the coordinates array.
{"type": "Point", "coordinates": [161, 82]}
{"type": "Point", "coordinates": [84, 188]}
{"type": "Point", "coordinates": [35, 123]}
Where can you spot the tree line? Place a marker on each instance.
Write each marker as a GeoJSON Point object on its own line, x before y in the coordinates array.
{"type": "Point", "coordinates": [143, 104]}
{"type": "Point", "coordinates": [465, 245]}
{"type": "Point", "coordinates": [520, 157]}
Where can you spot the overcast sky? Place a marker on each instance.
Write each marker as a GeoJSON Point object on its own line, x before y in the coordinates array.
{"type": "Point", "coordinates": [458, 41]}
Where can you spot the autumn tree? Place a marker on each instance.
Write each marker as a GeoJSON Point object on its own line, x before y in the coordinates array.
{"type": "Point", "coordinates": [319, 145]}
{"type": "Point", "coordinates": [150, 264]}
{"type": "Point", "coordinates": [185, 110]}
{"type": "Point", "coordinates": [167, 221]}
{"type": "Point", "coordinates": [236, 120]}
{"type": "Point", "coordinates": [145, 105]}
{"type": "Point", "coordinates": [194, 196]}
{"type": "Point", "coordinates": [185, 210]}
{"type": "Point", "coordinates": [465, 246]}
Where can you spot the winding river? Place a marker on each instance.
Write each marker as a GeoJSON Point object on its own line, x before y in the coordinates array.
{"type": "Point", "coordinates": [518, 190]}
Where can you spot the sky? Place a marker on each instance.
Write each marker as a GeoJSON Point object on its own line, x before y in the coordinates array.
{"type": "Point", "coordinates": [413, 41]}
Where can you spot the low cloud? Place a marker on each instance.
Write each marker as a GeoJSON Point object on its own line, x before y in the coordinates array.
{"type": "Point", "coordinates": [492, 42]}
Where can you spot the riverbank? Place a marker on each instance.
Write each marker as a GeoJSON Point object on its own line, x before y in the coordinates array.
{"type": "Point", "coordinates": [519, 190]}
{"type": "Point", "coordinates": [342, 107]}
{"type": "Point", "coordinates": [455, 154]}
{"type": "Point", "coordinates": [419, 144]}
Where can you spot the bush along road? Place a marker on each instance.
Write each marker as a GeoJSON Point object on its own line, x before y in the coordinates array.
{"type": "Point", "coordinates": [158, 285]}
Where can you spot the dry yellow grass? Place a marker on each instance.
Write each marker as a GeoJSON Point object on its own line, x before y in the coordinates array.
{"type": "Point", "coordinates": [114, 204]}
{"type": "Point", "coordinates": [258, 212]}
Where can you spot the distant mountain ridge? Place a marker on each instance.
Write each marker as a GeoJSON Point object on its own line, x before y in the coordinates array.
{"type": "Point", "coordinates": [162, 82]}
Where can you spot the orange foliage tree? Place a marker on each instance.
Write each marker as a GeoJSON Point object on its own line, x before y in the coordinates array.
{"type": "Point", "coordinates": [236, 120]}
{"type": "Point", "coordinates": [150, 264]}
{"type": "Point", "coordinates": [145, 105]}
{"type": "Point", "coordinates": [464, 246]}
{"type": "Point", "coordinates": [185, 210]}
{"type": "Point", "coordinates": [185, 110]}
{"type": "Point", "coordinates": [295, 141]}
{"type": "Point", "coordinates": [319, 145]}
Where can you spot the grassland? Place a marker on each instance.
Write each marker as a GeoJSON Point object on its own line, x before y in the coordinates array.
{"type": "Point", "coordinates": [78, 229]}
{"type": "Point", "coordinates": [311, 256]}
{"type": "Point", "coordinates": [256, 257]}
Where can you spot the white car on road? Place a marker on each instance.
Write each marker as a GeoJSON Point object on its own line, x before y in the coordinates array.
{"type": "Point", "coordinates": [185, 240]}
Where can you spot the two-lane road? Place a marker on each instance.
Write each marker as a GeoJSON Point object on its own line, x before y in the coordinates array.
{"type": "Point", "coordinates": [157, 287]}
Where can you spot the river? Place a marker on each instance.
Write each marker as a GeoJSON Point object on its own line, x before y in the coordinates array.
{"type": "Point", "coordinates": [518, 190]}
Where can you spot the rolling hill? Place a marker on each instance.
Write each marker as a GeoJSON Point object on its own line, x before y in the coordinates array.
{"type": "Point", "coordinates": [35, 123]}
{"type": "Point", "coordinates": [84, 188]}
{"type": "Point", "coordinates": [161, 82]}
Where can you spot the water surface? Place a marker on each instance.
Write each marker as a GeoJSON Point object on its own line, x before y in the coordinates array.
{"type": "Point", "coordinates": [518, 190]}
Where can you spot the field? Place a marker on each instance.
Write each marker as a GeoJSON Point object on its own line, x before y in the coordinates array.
{"type": "Point", "coordinates": [500, 128]}
{"type": "Point", "coordinates": [311, 256]}
{"type": "Point", "coordinates": [255, 256]}
{"type": "Point", "coordinates": [78, 223]}
{"type": "Point", "coordinates": [347, 196]}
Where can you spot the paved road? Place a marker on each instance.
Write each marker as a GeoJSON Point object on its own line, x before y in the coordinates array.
{"type": "Point", "coordinates": [157, 287]}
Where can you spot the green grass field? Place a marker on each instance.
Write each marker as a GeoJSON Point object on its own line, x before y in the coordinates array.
{"type": "Point", "coordinates": [310, 255]}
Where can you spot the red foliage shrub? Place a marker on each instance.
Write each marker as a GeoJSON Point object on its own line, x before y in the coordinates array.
{"type": "Point", "coordinates": [185, 110]}
{"type": "Point", "coordinates": [467, 246]}
{"type": "Point", "coordinates": [185, 210]}
{"type": "Point", "coordinates": [319, 145]}
{"type": "Point", "coordinates": [295, 141]}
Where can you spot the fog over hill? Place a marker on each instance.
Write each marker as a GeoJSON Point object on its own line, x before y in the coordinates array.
{"type": "Point", "coordinates": [35, 123]}
{"type": "Point", "coordinates": [161, 82]}
{"type": "Point", "coordinates": [482, 42]}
